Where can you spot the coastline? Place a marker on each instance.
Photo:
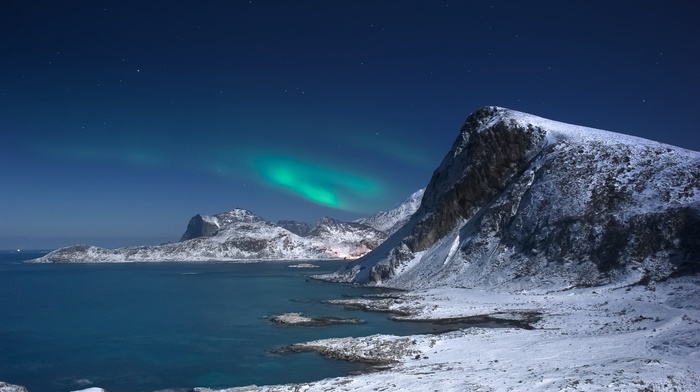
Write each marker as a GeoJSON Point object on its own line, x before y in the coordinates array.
{"type": "Point", "coordinates": [624, 336]}
{"type": "Point", "coordinates": [635, 335]}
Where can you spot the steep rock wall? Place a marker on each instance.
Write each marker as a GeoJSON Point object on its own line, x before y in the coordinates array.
{"type": "Point", "coordinates": [524, 201]}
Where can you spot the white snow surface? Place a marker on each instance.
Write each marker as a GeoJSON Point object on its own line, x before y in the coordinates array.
{"type": "Point", "coordinates": [617, 337]}
{"type": "Point", "coordinates": [392, 220]}
{"type": "Point", "coordinates": [643, 153]}
{"type": "Point", "coordinates": [5, 387]}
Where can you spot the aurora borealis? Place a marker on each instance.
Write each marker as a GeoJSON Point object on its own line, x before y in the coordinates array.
{"type": "Point", "coordinates": [122, 119]}
{"type": "Point", "coordinates": [320, 183]}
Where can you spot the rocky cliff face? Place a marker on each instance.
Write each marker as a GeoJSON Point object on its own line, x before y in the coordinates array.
{"type": "Point", "coordinates": [199, 226]}
{"type": "Point", "coordinates": [520, 200]}
{"type": "Point", "coordinates": [209, 225]}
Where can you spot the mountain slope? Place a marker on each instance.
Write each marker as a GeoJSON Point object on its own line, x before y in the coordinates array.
{"type": "Point", "coordinates": [392, 220]}
{"type": "Point", "coordinates": [298, 228]}
{"type": "Point", "coordinates": [348, 239]}
{"type": "Point", "coordinates": [524, 201]}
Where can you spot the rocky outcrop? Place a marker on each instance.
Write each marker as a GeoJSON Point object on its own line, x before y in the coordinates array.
{"type": "Point", "coordinates": [209, 225]}
{"type": "Point", "coordinates": [527, 201]}
{"type": "Point", "coordinates": [379, 350]}
{"type": "Point", "coordinates": [5, 387]}
{"type": "Point", "coordinates": [199, 226]}
{"type": "Point", "coordinates": [297, 319]}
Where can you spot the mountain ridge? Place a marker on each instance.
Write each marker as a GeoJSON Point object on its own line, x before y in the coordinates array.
{"type": "Point", "coordinates": [392, 220]}
{"type": "Point", "coordinates": [240, 235]}
{"type": "Point", "coordinates": [524, 201]}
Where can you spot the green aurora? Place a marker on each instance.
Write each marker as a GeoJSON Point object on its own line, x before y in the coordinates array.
{"type": "Point", "coordinates": [320, 184]}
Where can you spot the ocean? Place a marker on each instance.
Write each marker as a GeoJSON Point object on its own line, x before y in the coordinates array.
{"type": "Point", "coordinates": [151, 326]}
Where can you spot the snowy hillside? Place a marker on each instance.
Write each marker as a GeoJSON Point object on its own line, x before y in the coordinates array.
{"type": "Point", "coordinates": [298, 228]}
{"type": "Point", "coordinates": [237, 235]}
{"type": "Point", "coordinates": [209, 225]}
{"type": "Point", "coordinates": [391, 221]}
{"type": "Point", "coordinates": [522, 201]}
{"type": "Point", "coordinates": [346, 239]}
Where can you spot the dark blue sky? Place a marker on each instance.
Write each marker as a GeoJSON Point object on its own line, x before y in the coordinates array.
{"type": "Point", "coordinates": [122, 119]}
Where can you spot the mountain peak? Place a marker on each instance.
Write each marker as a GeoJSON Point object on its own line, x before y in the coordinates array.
{"type": "Point", "coordinates": [327, 221]}
{"type": "Point", "coordinates": [520, 199]}
{"type": "Point", "coordinates": [237, 215]}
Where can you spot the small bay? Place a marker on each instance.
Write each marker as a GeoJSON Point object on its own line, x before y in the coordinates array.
{"type": "Point", "coordinates": [151, 326]}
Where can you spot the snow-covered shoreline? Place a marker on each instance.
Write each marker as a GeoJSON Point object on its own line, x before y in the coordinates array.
{"type": "Point", "coordinates": [630, 336]}
{"type": "Point", "coordinates": [617, 337]}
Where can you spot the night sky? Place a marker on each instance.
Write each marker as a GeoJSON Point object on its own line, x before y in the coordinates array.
{"type": "Point", "coordinates": [121, 119]}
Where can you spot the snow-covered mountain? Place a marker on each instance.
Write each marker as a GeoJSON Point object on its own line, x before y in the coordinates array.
{"type": "Point", "coordinates": [392, 220]}
{"type": "Point", "coordinates": [209, 225]}
{"type": "Point", "coordinates": [349, 239]}
{"type": "Point", "coordinates": [237, 235]}
{"type": "Point", "coordinates": [521, 201]}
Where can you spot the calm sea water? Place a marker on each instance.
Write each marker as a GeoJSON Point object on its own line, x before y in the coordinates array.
{"type": "Point", "coordinates": [150, 326]}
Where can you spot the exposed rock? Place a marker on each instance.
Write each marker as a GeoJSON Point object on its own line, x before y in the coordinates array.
{"type": "Point", "coordinates": [298, 228]}
{"type": "Point", "coordinates": [386, 305]}
{"type": "Point", "coordinates": [5, 387]}
{"type": "Point", "coordinates": [199, 227]}
{"type": "Point", "coordinates": [523, 201]}
{"type": "Point", "coordinates": [303, 265]}
{"type": "Point", "coordinates": [208, 226]}
{"type": "Point", "coordinates": [319, 321]}
{"type": "Point", "coordinates": [374, 350]}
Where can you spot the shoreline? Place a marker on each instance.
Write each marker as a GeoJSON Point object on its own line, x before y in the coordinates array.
{"type": "Point", "coordinates": [626, 336]}
{"type": "Point", "coordinates": [623, 336]}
